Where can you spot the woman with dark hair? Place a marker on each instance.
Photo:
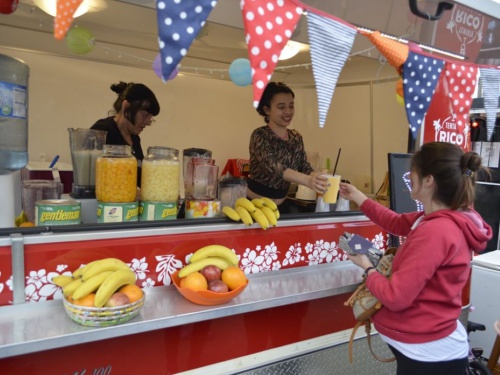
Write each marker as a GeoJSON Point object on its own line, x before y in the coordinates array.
{"type": "Point", "coordinates": [133, 110]}
{"type": "Point", "coordinates": [423, 298]}
{"type": "Point", "coordinates": [277, 154]}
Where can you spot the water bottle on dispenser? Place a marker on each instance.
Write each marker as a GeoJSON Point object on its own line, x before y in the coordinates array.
{"type": "Point", "coordinates": [14, 75]}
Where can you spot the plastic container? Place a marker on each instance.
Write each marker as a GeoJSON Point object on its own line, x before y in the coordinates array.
{"type": "Point", "coordinates": [230, 189]}
{"type": "Point", "coordinates": [14, 75]}
{"type": "Point", "coordinates": [190, 153]}
{"type": "Point", "coordinates": [160, 175]}
{"type": "Point", "coordinates": [116, 175]}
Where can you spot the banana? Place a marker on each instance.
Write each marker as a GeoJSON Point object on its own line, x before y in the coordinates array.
{"type": "Point", "coordinates": [271, 217]}
{"type": "Point", "coordinates": [277, 214]}
{"type": "Point", "coordinates": [108, 264]}
{"type": "Point", "coordinates": [78, 272]}
{"type": "Point", "coordinates": [62, 280]}
{"type": "Point", "coordinates": [111, 284]}
{"type": "Point", "coordinates": [91, 285]}
{"type": "Point", "coordinates": [261, 219]}
{"type": "Point", "coordinates": [215, 251]}
{"type": "Point", "coordinates": [269, 203]}
{"type": "Point", "coordinates": [231, 213]}
{"type": "Point", "coordinates": [71, 287]}
{"type": "Point", "coordinates": [200, 264]}
{"type": "Point", "coordinates": [245, 203]}
{"type": "Point", "coordinates": [257, 202]}
{"type": "Point", "coordinates": [245, 215]}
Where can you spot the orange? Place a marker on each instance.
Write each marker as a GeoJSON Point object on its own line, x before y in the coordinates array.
{"type": "Point", "coordinates": [234, 277]}
{"type": "Point", "coordinates": [87, 301]}
{"type": "Point", "coordinates": [132, 291]}
{"type": "Point", "coordinates": [194, 281]}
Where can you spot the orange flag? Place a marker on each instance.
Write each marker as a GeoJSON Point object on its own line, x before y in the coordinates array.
{"type": "Point", "coordinates": [64, 17]}
{"type": "Point", "coordinates": [395, 52]}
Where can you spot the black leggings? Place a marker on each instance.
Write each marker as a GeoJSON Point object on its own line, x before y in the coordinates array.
{"type": "Point", "coordinates": [408, 366]}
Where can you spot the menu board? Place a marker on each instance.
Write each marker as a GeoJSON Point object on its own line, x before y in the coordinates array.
{"type": "Point", "coordinates": [399, 184]}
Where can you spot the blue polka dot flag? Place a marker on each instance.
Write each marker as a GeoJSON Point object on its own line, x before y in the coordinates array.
{"type": "Point", "coordinates": [331, 42]}
{"type": "Point", "coordinates": [490, 79]}
{"type": "Point", "coordinates": [420, 76]}
{"type": "Point", "coordinates": [179, 21]}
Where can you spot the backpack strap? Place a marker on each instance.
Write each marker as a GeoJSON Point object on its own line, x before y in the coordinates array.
{"type": "Point", "coordinates": [368, 330]}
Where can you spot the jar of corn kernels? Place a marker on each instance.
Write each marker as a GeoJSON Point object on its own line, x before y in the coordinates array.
{"type": "Point", "coordinates": [116, 175]}
{"type": "Point", "coordinates": [160, 175]}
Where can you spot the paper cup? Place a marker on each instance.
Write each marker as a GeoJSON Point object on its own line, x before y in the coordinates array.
{"type": "Point", "coordinates": [330, 196]}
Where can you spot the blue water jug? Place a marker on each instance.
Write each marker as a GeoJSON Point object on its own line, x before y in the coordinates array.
{"type": "Point", "coordinates": [14, 76]}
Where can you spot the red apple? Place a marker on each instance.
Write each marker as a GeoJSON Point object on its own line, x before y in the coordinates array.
{"type": "Point", "coordinates": [118, 299]}
{"type": "Point", "coordinates": [218, 286]}
{"type": "Point", "coordinates": [211, 273]}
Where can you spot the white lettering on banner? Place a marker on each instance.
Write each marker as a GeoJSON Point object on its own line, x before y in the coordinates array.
{"type": "Point", "coordinates": [448, 132]}
{"type": "Point", "coordinates": [467, 19]}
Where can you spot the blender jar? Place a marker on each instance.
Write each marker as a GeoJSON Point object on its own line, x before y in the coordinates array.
{"type": "Point", "coordinates": [160, 175]}
{"type": "Point", "coordinates": [86, 146]}
{"type": "Point", "coordinates": [116, 175]}
{"type": "Point", "coordinates": [187, 155]}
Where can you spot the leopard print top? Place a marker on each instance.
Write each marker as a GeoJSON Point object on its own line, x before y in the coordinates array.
{"type": "Point", "coordinates": [270, 156]}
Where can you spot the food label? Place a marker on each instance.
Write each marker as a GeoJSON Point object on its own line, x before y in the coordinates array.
{"type": "Point", "coordinates": [57, 212]}
{"type": "Point", "coordinates": [117, 212]}
{"type": "Point", "coordinates": [13, 100]}
{"type": "Point", "coordinates": [157, 210]}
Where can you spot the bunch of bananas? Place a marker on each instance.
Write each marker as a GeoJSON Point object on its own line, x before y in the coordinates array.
{"type": "Point", "coordinates": [261, 210]}
{"type": "Point", "coordinates": [216, 255]}
{"type": "Point", "coordinates": [103, 276]}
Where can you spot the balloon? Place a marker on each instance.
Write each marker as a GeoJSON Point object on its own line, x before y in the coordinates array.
{"type": "Point", "coordinates": [400, 99]}
{"type": "Point", "coordinates": [80, 40]}
{"type": "Point", "coordinates": [8, 6]}
{"type": "Point", "coordinates": [158, 71]}
{"type": "Point", "coordinates": [240, 72]}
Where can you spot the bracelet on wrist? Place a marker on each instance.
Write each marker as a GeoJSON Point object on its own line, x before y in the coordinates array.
{"type": "Point", "coordinates": [365, 274]}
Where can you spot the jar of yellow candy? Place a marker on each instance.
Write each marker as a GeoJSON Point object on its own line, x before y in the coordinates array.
{"type": "Point", "coordinates": [160, 175]}
{"type": "Point", "coordinates": [116, 175]}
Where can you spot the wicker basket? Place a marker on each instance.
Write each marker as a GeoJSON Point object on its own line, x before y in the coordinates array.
{"type": "Point", "coordinates": [103, 316]}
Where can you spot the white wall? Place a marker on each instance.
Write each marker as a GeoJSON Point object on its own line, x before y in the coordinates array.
{"type": "Point", "coordinates": [364, 118]}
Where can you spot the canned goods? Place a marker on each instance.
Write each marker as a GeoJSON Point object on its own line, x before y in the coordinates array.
{"type": "Point", "coordinates": [57, 212]}
{"type": "Point", "coordinates": [157, 210]}
{"type": "Point", "coordinates": [117, 212]}
{"type": "Point", "coordinates": [160, 175]}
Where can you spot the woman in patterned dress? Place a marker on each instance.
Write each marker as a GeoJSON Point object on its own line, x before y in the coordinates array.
{"type": "Point", "coordinates": [277, 154]}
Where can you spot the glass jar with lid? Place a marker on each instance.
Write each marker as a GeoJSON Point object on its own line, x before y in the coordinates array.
{"type": "Point", "coordinates": [116, 175]}
{"type": "Point", "coordinates": [160, 175]}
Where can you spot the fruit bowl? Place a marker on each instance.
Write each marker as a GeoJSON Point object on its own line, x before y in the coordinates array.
{"type": "Point", "coordinates": [206, 297]}
{"type": "Point", "coordinates": [103, 316]}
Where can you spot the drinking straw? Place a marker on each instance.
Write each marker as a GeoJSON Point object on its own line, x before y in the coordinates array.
{"type": "Point", "coordinates": [336, 162]}
{"type": "Point", "coordinates": [54, 161]}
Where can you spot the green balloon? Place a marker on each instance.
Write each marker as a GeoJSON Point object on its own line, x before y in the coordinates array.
{"type": "Point", "coordinates": [80, 40]}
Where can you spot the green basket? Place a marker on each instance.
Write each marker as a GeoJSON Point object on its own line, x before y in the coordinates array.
{"type": "Point", "coordinates": [103, 316]}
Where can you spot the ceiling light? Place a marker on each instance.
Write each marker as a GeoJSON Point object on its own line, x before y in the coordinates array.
{"type": "Point", "coordinates": [290, 50]}
{"type": "Point", "coordinates": [50, 7]}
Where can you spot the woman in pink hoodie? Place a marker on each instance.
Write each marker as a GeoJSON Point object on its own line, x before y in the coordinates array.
{"type": "Point", "coordinates": [422, 299]}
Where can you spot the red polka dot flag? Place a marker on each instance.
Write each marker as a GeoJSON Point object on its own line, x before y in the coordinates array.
{"type": "Point", "coordinates": [269, 24]}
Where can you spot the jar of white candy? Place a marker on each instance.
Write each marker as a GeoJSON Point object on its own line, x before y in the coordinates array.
{"type": "Point", "coordinates": [160, 175]}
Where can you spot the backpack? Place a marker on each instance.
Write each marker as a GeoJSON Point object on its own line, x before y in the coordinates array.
{"type": "Point", "coordinates": [364, 304]}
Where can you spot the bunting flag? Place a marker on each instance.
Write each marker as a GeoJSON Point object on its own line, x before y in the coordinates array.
{"type": "Point", "coordinates": [178, 24]}
{"type": "Point", "coordinates": [331, 42]}
{"type": "Point", "coordinates": [490, 80]}
{"type": "Point", "coordinates": [269, 24]}
{"type": "Point", "coordinates": [461, 80]}
{"type": "Point", "coordinates": [64, 17]}
{"type": "Point", "coordinates": [420, 76]}
{"type": "Point", "coordinates": [395, 52]}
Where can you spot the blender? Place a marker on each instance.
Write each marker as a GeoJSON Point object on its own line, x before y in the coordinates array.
{"type": "Point", "coordinates": [86, 146]}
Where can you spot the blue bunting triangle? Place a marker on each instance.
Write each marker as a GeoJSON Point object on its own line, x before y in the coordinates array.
{"type": "Point", "coordinates": [490, 79]}
{"type": "Point", "coordinates": [179, 21]}
{"type": "Point", "coordinates": [420, 77]}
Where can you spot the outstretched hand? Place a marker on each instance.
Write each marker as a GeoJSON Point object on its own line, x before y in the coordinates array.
{"type": "Point", "coordinates": [350, 192]}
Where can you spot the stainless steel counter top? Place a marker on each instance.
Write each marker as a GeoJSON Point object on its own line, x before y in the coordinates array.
{"type": "Point", "coordinates": [34, 327]}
